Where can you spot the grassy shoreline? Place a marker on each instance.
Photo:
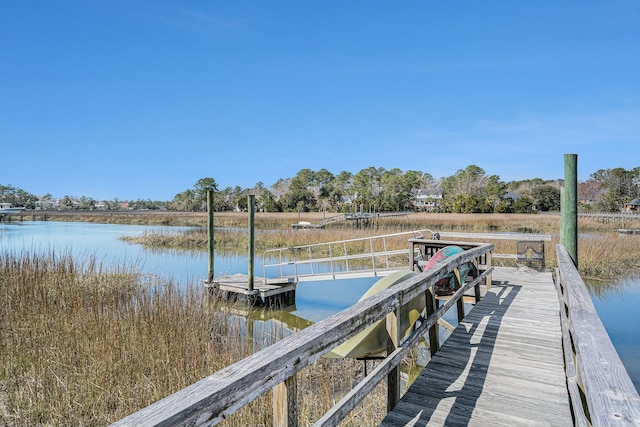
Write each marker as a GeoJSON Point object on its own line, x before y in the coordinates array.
{"type": "Point", "coordinates": [603, 254]}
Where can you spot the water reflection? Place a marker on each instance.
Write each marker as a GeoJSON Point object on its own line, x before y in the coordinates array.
{"type": "Point", "coordinates": [618, 310]}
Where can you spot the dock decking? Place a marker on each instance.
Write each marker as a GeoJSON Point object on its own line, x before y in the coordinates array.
{"type": "Point", "coordinates": [502, 366]}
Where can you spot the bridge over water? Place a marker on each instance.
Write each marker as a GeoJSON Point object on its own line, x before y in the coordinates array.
{"type": "Point", "coordinates": [532, 351]}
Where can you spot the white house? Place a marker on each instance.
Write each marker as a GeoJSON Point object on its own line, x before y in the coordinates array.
{"type": "Point", "coordinates": [427, 198]}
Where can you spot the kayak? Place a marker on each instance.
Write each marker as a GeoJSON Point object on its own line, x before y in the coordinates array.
{"type": "Point", "coordinates": [446, 285]}
{"type": "Point", "coordinates": [372, 341]}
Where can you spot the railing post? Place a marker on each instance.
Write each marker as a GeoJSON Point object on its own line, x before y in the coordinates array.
{"type": "Point", "coordinates": [344, 244]}
{"type": "Point", "coordinates": [393, 378]}
{"type": "Point", "coordinates": [285, 403]}
{"type": "Point", "coordinates": [459, 281]}
{"type": "Point", "coordinates": [488, 263]}
{"type": "Point", "coordinates": [386, 255]}
{"type": "Point", "coordinates": [476, 288]}
{"type": "Point", "coordinates": [412, 260]}
{"type": "Point", "coordinates": [333, 272]}
{"type": "Point", "coordinates": [373, 258]}
{"type": "Point", "coordinates": [434, 336]}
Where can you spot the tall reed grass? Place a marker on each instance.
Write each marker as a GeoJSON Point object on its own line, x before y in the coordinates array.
{"type": "Point", "coordinates": [85, 346]}
{"type": "Point", "coordinates": [81, 345]}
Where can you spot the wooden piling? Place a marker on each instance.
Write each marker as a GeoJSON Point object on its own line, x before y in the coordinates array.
{"type": "Point", "coordinates": [569, 222]}
{"type": "Point", "coordinates": [251, 207]}
{"type": "Point", "coordinates": [210, 237]}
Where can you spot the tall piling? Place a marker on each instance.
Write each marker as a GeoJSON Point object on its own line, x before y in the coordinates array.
{"type": "Point", "coordinates": [210, 236]}
{"type": "Point", "coordinates": [251, 205]}
{"type": "Point", "coordinates": [569, 210]}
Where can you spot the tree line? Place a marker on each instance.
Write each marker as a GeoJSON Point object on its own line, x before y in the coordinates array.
{"type": "Point", "coordinates": [469, 190]}
{"type": "Point", "coordinates": [375, 189]}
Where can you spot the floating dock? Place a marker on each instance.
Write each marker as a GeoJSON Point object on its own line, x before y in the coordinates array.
{"type": "Point", "coordinates": [279, 292]}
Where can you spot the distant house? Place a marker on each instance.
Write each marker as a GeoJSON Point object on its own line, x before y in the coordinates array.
{"type": "Point", "coordinates": [47, 204]}
{"type": "Point", "coordinates": [633, 206]}
{"type": "Point", "coordinates": [427, 199]}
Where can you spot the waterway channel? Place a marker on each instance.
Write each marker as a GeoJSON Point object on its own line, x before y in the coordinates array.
{"type": "Point", "coordinates": [617, 306]}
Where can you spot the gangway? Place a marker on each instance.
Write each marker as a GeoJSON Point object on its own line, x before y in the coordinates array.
{"type": "Point", "coordinates": [351, 258]}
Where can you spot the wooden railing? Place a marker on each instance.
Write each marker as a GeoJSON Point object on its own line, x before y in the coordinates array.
{"type": "Point", "coordinates": [600, 389]}
{"type": "Point", "coordinates": [214, 398]}
{"type": "Point", "coordinates": [610, 216]}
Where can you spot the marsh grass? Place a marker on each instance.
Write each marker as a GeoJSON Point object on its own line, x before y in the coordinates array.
{"type": "Point", "coordinates": [81, 345]}
{"type": "Point", "coordinates": [85, 346]}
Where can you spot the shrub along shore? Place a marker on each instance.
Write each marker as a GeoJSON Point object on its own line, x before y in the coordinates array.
{"type": "Point", "coordinates": [81, 345]}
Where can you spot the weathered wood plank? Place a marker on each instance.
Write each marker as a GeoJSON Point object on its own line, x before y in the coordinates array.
{"type": "Point", "coordinates": [611, 396]}
{"type": "Point", "coordinates": [495, 368]}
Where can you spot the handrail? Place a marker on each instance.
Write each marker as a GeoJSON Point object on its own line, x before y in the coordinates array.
{"type": "Point", "coordinates": [600, 390]}
{"type": "Point", "coordinates": [214, 398]}
{"type": "Point", "coordinates": [290, 256]}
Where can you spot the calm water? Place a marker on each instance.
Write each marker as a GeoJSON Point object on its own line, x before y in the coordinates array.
{"type": "Point", "coordinates": [619, 308]}
{"type": "Point", "coordinates": [314, 300]}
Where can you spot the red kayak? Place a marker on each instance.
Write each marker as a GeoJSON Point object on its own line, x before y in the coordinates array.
{"type": "Point", "coordinates": [446, 285]}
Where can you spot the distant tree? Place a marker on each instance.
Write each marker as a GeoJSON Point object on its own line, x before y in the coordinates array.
{"type": "Point", "coordinates": [470, 190]}
{"type": "Point", "coordinates": [17, 196]}
{"type": "Point", "coordinates": [621, 186]}
{"type": "Point", "coordinates": [546, 198]}
{"type": "Point", "coordinates": [523, 204]}
{"type": "Point", "coordinates": [194, 199]}
{"type": "Point", "coordinates": [86, 203]}
{"type": "Point", "coordinates": [66, 202]}
{"type": "Point", "coordinates": [392, 195]}
{"type": "Point", "coordinates": [281, 187]}
{"type": "Point", "coordinates": [590, 193]}
{"type": "Point", "coordinates": [367, 185]}
{"type": "Point", "coordinates": [299, 196]}
{"type": "Point", "coordinates": [185, 201]}
{"type": "Point", "coordinates": [267, 202]}
{"type": "Point", "coordinates": [201, 187]}
{"type": "Point", "coordinates": [224, 200]}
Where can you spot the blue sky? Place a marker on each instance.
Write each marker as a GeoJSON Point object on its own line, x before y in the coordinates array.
{"type": "Point", "coordinates": [140, 99]}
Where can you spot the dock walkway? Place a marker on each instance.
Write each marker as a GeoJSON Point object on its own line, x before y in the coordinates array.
{"type": "Point", "coordinates": [502, 366]}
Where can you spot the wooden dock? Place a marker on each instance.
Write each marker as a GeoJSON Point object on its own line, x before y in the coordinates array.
{"type": "Point", "coordinates": [526, 354]}
{"type": "Point", "coordinates": [279, 291]}
{"type": "Point", "coordinates": [502, 366]}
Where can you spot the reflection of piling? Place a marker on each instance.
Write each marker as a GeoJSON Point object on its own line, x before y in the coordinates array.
{"type": "Point", "coordinates": [210, 234]}
{"type": "Point", "coordinates": [569, 200]}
